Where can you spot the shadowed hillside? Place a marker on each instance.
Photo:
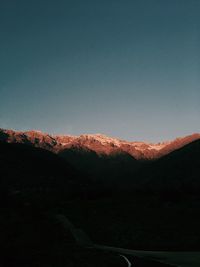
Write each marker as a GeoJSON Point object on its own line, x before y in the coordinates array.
{"type": "Point", "coordinates": [177, 172]}
{"type": "Point", "coordinates": [34, 186]}
{"type": "Point", "coordinates": [118, 202]}
{"type": "Point", "coordinates": [29, 169]}
{"type": "Point", "coordinates": [109, 169]}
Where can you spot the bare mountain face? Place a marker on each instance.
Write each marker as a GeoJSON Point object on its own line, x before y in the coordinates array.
{"type": "Point", "coordinates": [100, 144]}
{"type": "Point", "coordinates": [114, 182]}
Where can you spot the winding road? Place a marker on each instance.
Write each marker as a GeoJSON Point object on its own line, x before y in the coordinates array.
{"type": "Point", "coordinates": [178, 259]}
{"type": "Point", "coordinates": [127, 261]}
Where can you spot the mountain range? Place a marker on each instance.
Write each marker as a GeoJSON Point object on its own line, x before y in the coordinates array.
{"type": "Point", "coordinates": [115, 164]}
{"type": "Point", "coordinates": [127, 194]}
{"type": "Point", "coordinates": [100, 144]}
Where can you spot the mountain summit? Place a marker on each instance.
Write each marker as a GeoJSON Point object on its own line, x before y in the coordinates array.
{"type": "Point", "coordinates": [98, 143]}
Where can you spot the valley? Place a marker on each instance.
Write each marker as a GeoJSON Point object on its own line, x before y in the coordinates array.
{"type": "Point", "coordinates": [118, 200]}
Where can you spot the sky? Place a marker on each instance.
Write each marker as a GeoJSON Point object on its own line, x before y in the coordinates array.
{"type": "Point", "coordinates": [124, 68]}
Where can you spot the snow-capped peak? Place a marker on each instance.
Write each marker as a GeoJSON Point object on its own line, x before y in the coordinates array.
{"type": "Point", "coordinates": [101, 138]}
{"type": "Point", "coordinates": [99, 143]}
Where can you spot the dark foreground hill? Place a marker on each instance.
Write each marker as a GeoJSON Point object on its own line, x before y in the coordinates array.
{"type": "Point", "coordinates": [33, 170]}
{"type": "Point", "coordinates": [115, 163]}
{"type": "Point", "coordinates": [109, 169]}
{"type": "Point", "coordinates": [36, 184]}
{"type": "Point", "coordinates": [177, 172]}
{"type": "Point", "coordinates": [156, 208]}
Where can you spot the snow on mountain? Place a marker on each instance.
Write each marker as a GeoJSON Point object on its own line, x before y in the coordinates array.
{"type": "Point", "coordinates": [99, 143]}
{"type": "Point", "coordinates": [103, 139]}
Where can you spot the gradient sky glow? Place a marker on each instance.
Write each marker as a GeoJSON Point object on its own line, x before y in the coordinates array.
{"type": "Point", "coordinates": [129, 69]}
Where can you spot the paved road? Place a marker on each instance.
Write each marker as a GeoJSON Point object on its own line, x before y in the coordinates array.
{"type": "Point", "coordinates": [178, 259]}
{"type": "Point", "coordinates": [126, 260]}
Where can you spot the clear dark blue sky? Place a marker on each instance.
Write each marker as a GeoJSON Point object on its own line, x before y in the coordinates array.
{"type": "Point", "coordinates": [129, 69]}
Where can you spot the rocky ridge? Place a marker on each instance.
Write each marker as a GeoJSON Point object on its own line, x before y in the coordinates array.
{"type": "Point", "coordinates": [98, 143]}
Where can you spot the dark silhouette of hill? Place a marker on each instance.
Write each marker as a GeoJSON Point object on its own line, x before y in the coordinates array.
{"type": "Point", "coordinates": [109, 169]}
{"type": "Point", "coordinates": [177, 172]}
{"type": "Point", "coordinates": [176, 144]}
{"type": "Point", "coordinates": [34, 185]}
{"type": "Point", "coordinates": [152, 204]}
{"type": "Point", "coordinates": [156, 208]}
{"type": "Point", "coordinates": [112, 164]}
{"type": "Point", "coordinates": [23, 166]}
{"type": "Point", "coordinates": [35, 171]}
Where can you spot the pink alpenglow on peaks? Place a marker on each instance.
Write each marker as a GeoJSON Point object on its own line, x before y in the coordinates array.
{"type": "Point", "coordinates": [99, 143]}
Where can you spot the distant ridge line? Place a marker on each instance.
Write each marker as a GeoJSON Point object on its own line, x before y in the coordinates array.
{"type": "Point", "coordinates": [98, 143]}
